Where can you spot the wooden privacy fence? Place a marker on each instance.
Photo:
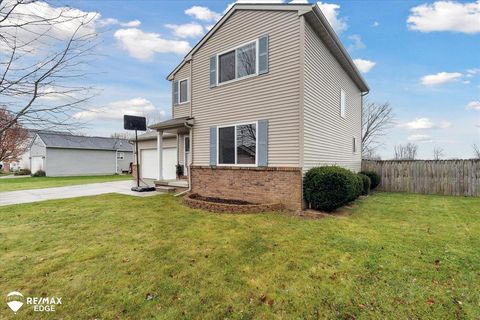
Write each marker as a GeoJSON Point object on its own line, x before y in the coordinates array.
{"type": "Point", "coordinates": [445, 177]}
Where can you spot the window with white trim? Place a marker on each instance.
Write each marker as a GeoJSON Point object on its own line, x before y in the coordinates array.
{"type": "Point", "coordinates": [120, 155]}
{"type": "Point", "coordinates": [182, 91]}
{"type": "Point", "coordinates": [237, 144]}
{"type": "Point", "coordinates": [238, 63]}
{"type": "Point", "coordinates": [342, 103]}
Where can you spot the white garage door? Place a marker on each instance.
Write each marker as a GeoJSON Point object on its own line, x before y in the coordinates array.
{"type": "Point", "coordinates": [37, 164]}
{"type": "Point", "coordinates": [149, 165]}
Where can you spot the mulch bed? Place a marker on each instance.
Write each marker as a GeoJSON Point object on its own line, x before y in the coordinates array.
{"type": "Point", "coordinates": [220, 205]}
{"type": "Point", "coordinates": [219, 200]}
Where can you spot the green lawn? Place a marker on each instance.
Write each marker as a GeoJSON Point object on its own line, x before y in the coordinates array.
{"type": "Point", "coordinates": [12, 184]}
{"type": "Point", "coordinates": [120, 257]}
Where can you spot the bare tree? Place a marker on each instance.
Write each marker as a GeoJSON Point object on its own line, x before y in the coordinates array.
{"type": "Point", "coordinates": [476, 151]}
{"type": "Point", "coordinates": [376, 120]}
{"type": "Point", "coordinates": [13, 141]}
{"type": "Point", "coordinates": [370, 154]}
{"type": "Point", "coordinates": [406, 152]}
{"type": "Point", "coordinates": [43, 54]}
{"type": "Point", "coordinates": [438, 153]}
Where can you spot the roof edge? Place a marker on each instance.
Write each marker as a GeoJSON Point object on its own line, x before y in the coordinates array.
{"type": "Point", "coordinates": [318, 12]}
{"type": "Point", "coordinates": [301, 8]}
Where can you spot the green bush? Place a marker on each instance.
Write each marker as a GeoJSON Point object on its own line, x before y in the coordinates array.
{"type": "Point", "coordinates": [356, 187]}
{"type": "Point", "coordinates": [374, 178]}
{"type": "Point", "coordinates": [39, 173]}
{"type": "Point", "coordinates": [23, 172]}
{"type": "Point", "coordinates": [328, 188]}
{"type": "Point", "coordinates": [366, 183]}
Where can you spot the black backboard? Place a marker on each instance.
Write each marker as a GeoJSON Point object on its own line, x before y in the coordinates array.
{"type": "Point", "coordinates": [134, 123]}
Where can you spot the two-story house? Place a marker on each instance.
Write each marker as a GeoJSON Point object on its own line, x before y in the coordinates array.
{"type": "Point", "coordinates": [268, 93]}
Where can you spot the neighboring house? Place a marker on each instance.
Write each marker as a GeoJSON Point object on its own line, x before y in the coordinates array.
{"type": "Point", "coordinates": [23, 162]}
{"type": "Point", "coordinates": [268, 93]}
{"type": "Point", "coordinates": [60, 154]}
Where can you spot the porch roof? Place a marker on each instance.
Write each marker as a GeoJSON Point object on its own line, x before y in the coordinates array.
{"type": "Point", "coordinates": [173, 124]}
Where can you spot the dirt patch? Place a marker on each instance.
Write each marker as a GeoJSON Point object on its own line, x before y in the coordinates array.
{"type": "Point", "coordinates": [219, 200]}
{"type": "Point", "coordinates": [220, 205]}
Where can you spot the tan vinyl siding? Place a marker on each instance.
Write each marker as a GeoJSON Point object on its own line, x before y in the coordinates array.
{"type": "Point", "coordinates": [181, 150]}
{"type": "Point", "coordinates": [328, 136]}
{"type": "Point", "coordinates": [182, 110]}
{"type": "Point", "coordinates": [273, 96]}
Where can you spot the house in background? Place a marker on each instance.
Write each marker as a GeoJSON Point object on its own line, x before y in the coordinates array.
{"type": "Point", "coordinates": [267, 94]}
{"type": "Point", "coordinates": [64, 154]}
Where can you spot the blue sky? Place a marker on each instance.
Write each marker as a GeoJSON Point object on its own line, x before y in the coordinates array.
{"type": "Point", "coordinates": [425, 54]}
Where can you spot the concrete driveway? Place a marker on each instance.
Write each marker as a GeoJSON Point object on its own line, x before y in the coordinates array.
{"type": "Point", "coordinates": [91, 189]}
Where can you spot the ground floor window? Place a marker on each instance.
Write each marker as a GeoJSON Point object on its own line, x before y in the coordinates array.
{"type": "Point", "coordinates": [237, 144]}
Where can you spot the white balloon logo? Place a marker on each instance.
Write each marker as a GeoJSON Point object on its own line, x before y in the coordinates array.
{"type": "Point", "coordinates": [15, 300]}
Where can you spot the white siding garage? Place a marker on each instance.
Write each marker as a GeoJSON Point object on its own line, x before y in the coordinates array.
{"type": "Point", "coordinates": [149, 163]}
{"type": "Point", "coordinates": [61, 154]}
{"type": "Point", "coordinates": [37, 163]}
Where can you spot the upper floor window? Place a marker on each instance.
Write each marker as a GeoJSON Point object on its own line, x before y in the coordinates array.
{"type": "Point", "coordinates": [180, 91]}
{"type": "Point", "coordinates": [237, 63]}
{"type": "Point", "coordinates": [342, 103]}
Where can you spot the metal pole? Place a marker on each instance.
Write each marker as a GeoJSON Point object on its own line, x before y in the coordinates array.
{"type": "Point", "coordinates": [136, 156]}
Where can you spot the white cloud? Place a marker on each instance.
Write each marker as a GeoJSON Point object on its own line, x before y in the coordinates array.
{"type": "Point", "coordinates": [473, 71]}
{"type": "Point", "coordinates": [203, 13]}
{"type": "Point", "coordinates": [209, 27]}
{"type": "Point", "coordinates": [356, 42]}
{"type": "Point", "coordinates": [132, 24]}
{"type": "Point", "coordinates": [63, 21]}
{"type": "Point", "coordinates": [439, 78]}
{"type": "Point", "coordinates": [331, 12]}
{"type": "Point", "coordinates": [298, 2]}
{"type": "Point", "coordinates": [375, 24]}
{"type": "Point", "coordinates": [188, 30]}
{"type": "Point", "coordinates": [446, 16]}
{"type": "Point", "coordinates": [364, 65]}
{"type": "Point", "coordinates": [113, 21]}
{"type": "Point", "coordinates": [419, 123]}
{"type": "Point", "coordinates": [420, 138]}
{"type": "Point", "coordinates": [425, 123]}
{"type": "Point", "coordinates": [116, 110]}
{"type": "Point", "coordinates": [466, 81]}
{"type": "Point", "coordinates": [474, 105]}
{"type": "Point", "coordinates": [143, 45]}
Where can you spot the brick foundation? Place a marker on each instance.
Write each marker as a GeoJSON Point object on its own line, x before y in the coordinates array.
{"type": "Point", "coordinates": [257, 185]}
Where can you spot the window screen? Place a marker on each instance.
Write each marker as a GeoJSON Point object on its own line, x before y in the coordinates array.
{"type": "Point", "coordinates": [226, 145]}
{"type": "Point", "coordinates": [226, 64]}
{"type": "Point", "coordinates": [246, 144]}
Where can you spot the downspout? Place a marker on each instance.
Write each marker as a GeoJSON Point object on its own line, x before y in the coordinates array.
{"type": "Point", "coordinates": [188, 162]}
{"type": "Point", "coordinates": [189, 126]}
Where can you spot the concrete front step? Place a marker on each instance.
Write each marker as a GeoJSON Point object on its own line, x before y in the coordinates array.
{"type": "Point", "coordinates": [165, 189]}
{"type": "Point", "coordinates": [172, 183]}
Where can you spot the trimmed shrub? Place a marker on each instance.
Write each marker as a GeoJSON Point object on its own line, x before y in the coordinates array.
{"type": "Point", "coordinates": [39, 173]}
{"type": "Point", "coordinates": [366, 183]}
{"type": "Point", "coordinates": [328, 188]}
{"type": "Point", "coordinates": [23, 172]}
{"type": "Point", "coordinates": [374, 178]}
{"type": "Point", "coordinates": [355, 188]}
